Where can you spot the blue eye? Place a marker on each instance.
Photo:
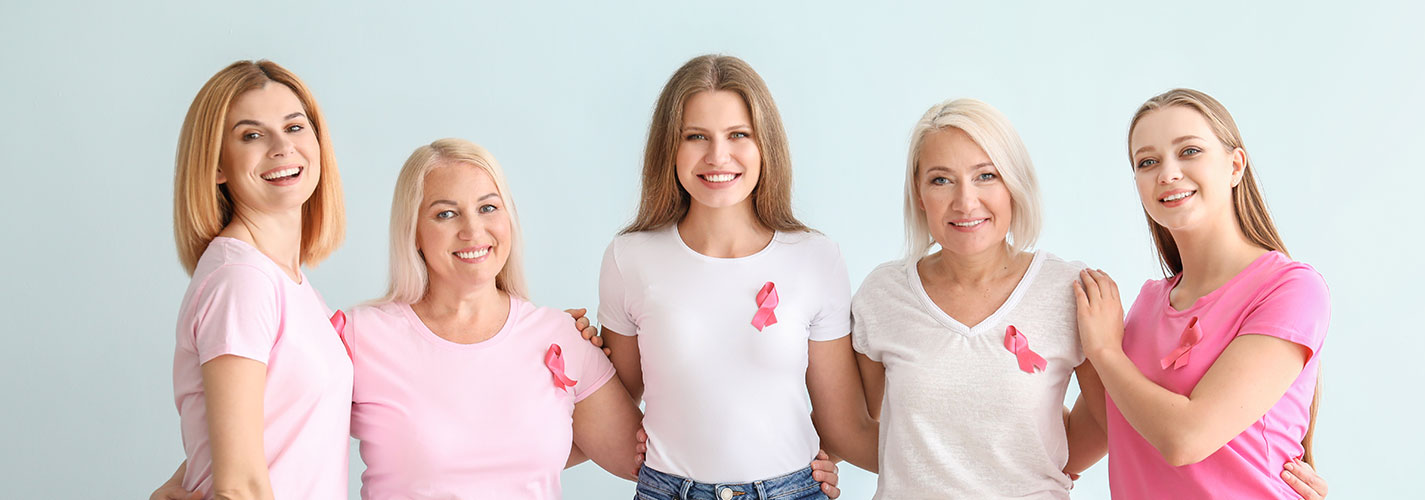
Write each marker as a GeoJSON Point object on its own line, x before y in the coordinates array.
{"type": "Point", "coordinates": [1147, 162]}
{"type": "Point", "coordinates": [694, 137]}
{"type": "Point", "coordinates": [251, 136]}
{"type": "Point", "coordinates": [486, 209]}
{"type": "Point", "coordinates": [295, 128]}
{"type": "Point", "coordinates": [986, 176]}
{"type": "Point", "coordinates": [741, 135]}
{"type": "Point", "coordinates": [1191, 150]}
{"type": "Point", "coordinates": [445, 214]}
{"type": "Point", "coordinates": [939, 181]}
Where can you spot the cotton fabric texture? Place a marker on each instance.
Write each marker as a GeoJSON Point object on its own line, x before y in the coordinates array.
{"type": "Point", "coordinates": [240, 303]}
{"type": "Point", "coordinates": [960, 419]}
{"type": "Point", "coordinates": [1274, 296]}
{"type": "Point", "coordinates": [437, 419]}
{"type": "Point", "coordinates": [725, 402]}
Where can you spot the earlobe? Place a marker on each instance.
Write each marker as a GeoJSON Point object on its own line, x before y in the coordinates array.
{"type": "Point", "coordinates": [1239, 166]}
{"type": "Point", "coordinates": [222, 179]}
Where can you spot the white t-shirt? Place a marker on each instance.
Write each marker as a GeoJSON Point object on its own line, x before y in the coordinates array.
{"type": "Point", "coordinates": [725, 402]}
{"type": "Point", "coordinates": [960, 419]}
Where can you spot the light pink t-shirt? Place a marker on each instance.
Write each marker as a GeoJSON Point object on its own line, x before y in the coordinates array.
{"type": "Point", "coordinates": [1273, 296]}
{"type": "Point", "coordinates": [240, 303]}
{"type": "Point", "coordinates": [437, 419]}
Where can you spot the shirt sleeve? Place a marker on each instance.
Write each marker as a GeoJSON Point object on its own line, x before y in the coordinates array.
{"type": "Point", "coordinates": [593, 369]}
{"type": "Point", "coordinates": [861, 330]}
{"type": "Point", "coordinates": [1297, 308]}
{"type": "Point", "coordinates": [237, 314]}
{"type": "Point", "coordinates": [833, 320]}
{"type": "Point", "coordinates": [613, 306]}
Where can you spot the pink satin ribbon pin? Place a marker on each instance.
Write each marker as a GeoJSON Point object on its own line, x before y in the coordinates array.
{"type": "Point", "coordinates": [766, 302]}
{"type": "Point", "coordinates": [339, 323]}
{"type": "Point", "coordinates": [554, 359]}
{"type": "Point", "coordinates": [1190, 337]}
{"type": "Point", "coordinates": [1016, 343]}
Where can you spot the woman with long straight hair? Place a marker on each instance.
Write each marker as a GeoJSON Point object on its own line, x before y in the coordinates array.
{"type": "Point", "coordinates": [723, 311]}
{"type": "Point", "coordinates": [1211, 379]}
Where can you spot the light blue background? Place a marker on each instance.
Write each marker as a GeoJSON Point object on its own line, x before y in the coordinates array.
{"type": "Point", "coordinates": [92, 96]}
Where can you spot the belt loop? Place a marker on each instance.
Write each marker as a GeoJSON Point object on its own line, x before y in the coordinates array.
{"type": "Point", "coordinates": [761, 490]}
{"type": "Point", "coordinates": [687, 487]}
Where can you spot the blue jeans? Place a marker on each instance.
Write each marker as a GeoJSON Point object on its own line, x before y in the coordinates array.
{"type": "Point", "coordinates": [654, 485]}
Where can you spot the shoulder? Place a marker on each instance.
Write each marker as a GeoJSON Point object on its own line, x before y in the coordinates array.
{"type": "Point", "coordinates": [1057, 268]}
{"type": "Point", "coordinates": [637, 240]}
{"type": "Point", "coordinates": [883, 279]}
{"type": "Point", "coordinates": [543, 321]}
{"type": "Point", "coordinates": [382, 312]}
{"type": "Point", "coordinates": [817, 247]}
{"type": "Point", "coordinates": [1281, 274]}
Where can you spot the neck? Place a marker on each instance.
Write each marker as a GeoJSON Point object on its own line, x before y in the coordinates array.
{"type": "Point", "coordinates": [1215, 253]}
{"type": "Point", "coordinates": [973, 269]}
{"type": "Point", "coordinates": [464, 304]}
{"type": "Point", "coordinates": [278, 235]}
{"type": "Point", "coordinates": [726, 232]}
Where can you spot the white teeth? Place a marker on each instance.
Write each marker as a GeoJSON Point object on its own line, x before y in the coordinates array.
{"type": "Point", "coordinates": [969, 224]}
{"type": "Point", "coordinates": [286, 172]}
{"type": "Point", "coordinates": [719, 177]}
{"type": "Point", "coordinates": [473, 255]}
{"type": "Point", "coordinates": [1178, 196]}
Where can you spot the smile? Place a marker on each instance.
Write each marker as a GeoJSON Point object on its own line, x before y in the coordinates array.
{"type": "Point", "coordinates": [282, 173]}
{"type": "Point", "coordinates": [472, 254]}
{"type": "Point", "coordinates": [971, 223]}
{"type": "Point", "coordinates": [719, 178]}
{"type": "Point", "coordinates": [1182, 195]}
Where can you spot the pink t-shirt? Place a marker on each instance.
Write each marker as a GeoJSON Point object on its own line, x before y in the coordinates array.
{"type": "Point", "coordinates": [240, 303]}
{"type": "Point", "coordinates": [437, 419]}
{"type": "Point", "coordinates": [1273, 296]}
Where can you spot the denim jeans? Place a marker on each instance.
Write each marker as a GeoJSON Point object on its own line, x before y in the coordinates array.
{"type": "Point", "coordinates": [654, 485]}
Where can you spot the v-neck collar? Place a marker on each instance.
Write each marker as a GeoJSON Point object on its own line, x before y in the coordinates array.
{"type": "Point", "coordinates": [913, 276]}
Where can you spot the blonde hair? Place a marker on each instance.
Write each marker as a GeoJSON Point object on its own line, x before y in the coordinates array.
{"type": "Point", "coordinates": [992, 131]}
{"type": "Point", "coordinates": [1253, 218]}
{"type": "Point", "coordinates": [409, 277]}
{"type": "Point", "coordinates": [202, 207]}
{"type": "Point", "coordinates": [664, 200]}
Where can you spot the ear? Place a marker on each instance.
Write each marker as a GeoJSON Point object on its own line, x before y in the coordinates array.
{"type": "Point", "coordinates": [222, 178]}
{"type": "Point", "coordinates": [1239, 166]}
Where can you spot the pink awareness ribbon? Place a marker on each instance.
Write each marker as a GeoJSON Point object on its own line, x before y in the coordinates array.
{"type": "Point", "coordinates": [1190, 337]}
{"type": "Point", "coordinates": [766, 302]}
{"type": "Point", "coordinates": [1029, 361]}
{"type": "Point", "coordinates": [339, 323]}
{"type": "Point", "coordinates": [554, 359]}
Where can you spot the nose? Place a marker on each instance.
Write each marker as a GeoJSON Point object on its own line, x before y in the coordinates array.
{"type": "Point", "coordinates": [718, 153]}
{"type": "Point", "coordinates": [964, 198]}
{"type": "Point", "coordinates": [282, 145]}
{"type": "Point", "coordinates": [1169, 172]}
{"type": "Point", "coordinates": [470, 226]}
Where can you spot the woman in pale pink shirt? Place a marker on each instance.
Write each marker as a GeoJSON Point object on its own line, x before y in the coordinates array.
{"type": "Point", "coordinates": [260, 377]}
{"type": "Point", "coordinates": [1211, 379]}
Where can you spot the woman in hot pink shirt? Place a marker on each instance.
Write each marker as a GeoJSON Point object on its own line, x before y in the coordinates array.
{"type": "Point", "coordinates": [1211, 380]}
{"type": "Point", "coordinates": [260, 378]}
{"type": "Point", "coordinates": [464, 389]}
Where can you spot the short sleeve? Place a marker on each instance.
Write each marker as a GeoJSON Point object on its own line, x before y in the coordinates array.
{"type": "Point", "coordinates": [613, 305]}
{"type": "Point", "coordinates": [1296, 308]}
{"type": "Point", "coordinates": [861, 329]}
{"type": "Point", "coordinates": [833, 320]}
{"type": "Point", "coordinates": [593, 369]}
{"type": "Point", "coordinates": [237, 313]}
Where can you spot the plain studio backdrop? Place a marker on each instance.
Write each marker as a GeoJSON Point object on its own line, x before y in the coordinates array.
{"type": "Point", "coordinates": [1328, 98]}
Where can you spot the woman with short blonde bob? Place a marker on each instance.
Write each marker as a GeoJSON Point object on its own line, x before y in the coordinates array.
{"type": "Point", "coordinates": [463, 388]}
{"type": "Point", "coordinates": [1212, 377]}
{"type": "Point", "coordinates": [261, 379]}
{"type": "Point", "coordinates": [969, 350]}
{"type": "Point", "coordinates": [723, 311]}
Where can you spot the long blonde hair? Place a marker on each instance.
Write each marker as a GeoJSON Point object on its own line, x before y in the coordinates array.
{"type": "Point", "coordinates": [1250, 207]}
{"type": "Point", "coordinates": [202, 207]}
{"type": "Point", "coordinates": [409, 277]}
{"type": "Point", "coordinates": [664, 201]}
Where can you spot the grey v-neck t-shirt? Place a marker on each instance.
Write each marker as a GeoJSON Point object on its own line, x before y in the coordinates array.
{"type": "Point", "coordinates": [960, 419]}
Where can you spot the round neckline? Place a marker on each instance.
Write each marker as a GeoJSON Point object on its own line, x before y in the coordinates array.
{"type": "Point", "coordinates": [678, 236]}
{"type": "Point", "coordinates": [248, 246]}
{"type": "Point", "coordinates": [1020, 289]}
{"type": "Point", "coordinates": [1212, 296]}
{"type": "Point", "coordinates": [430, 336]}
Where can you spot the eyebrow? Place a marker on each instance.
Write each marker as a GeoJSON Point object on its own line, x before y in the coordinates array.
{"type": "Point", "coordinates": [256, 123]}
{"type": "Point", "coordinates": [734, 127]}
{"type": "Point", "coordinates": [976, 166]}
{"type": "Point", "coordinates": [452, 203]}
{"type": "Point", "coordinates": [1179, 140]}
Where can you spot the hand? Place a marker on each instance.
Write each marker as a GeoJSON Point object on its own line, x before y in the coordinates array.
{"type": "Point", "coordinates": [174, 491]}
{"type": "Point", "coordinates": [1100, 311]}
{"type": "Point", "coordinates": [587, 329]}
{"type": "Point", "coordinates": [1303, 479]}
{"type": "Point", "coordinates": [639, 449]}
{"type": "Point", "coordinates": [824, 471]}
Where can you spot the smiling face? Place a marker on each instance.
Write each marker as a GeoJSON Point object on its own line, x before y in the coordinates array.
{"type": "Point", "coordinates": [718, 161]}
{"type": "Point", "coordinates": [270, 158]}
{"type": "Point", "coordinates": [1184, 174]}
{"type": "Point", "coordinates": [966, 203]}
{"type": "Point", "coordinates": [463, 229]}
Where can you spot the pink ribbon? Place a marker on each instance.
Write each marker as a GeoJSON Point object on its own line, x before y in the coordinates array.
{"type": "Point", "coordinates": [554, 359]}
{"type": "Point", "coordinates": [339, 323]}
{"type": "Point", "coordinates": [1190, 337]}
{"type": "Point", "coordinates": [1019, 345]}
{"type": "Point", "coordinates": [766, 302]}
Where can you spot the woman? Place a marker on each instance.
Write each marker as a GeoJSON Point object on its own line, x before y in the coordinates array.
{"type": "Point", "coordinates": [261, 379]}
{"type": "Point", "coordinates": [1211, 378]}
{"type": "Point", "coordinates": [725, 307]}
{"type": "Point", "coordinates": [971, 347]}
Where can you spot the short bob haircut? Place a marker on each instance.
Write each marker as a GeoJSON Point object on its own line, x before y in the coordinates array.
{"type": "Point", "coordinates": [409, 278]}
{"type": "Point", "coordinates": [992, 132]}
{"type": "Point", "coordinates": [664, 201]}
{"type": "Point", "coordinates": [202, 207]}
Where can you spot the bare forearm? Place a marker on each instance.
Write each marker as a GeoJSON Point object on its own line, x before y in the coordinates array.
{"type": "Point", "coordinates": [1161, 416]}
{"type": "Point", "coordinates": [1088, 443]}
{"type": "Point", "coordinates": [855, 440]}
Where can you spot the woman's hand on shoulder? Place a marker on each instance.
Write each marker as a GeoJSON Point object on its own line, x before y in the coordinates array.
{"type": "Point", "coordinates": [587, 329]}
{"type": "Point", "coordinates": [1100, 311]}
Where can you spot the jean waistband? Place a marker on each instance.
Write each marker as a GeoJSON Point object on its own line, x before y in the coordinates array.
{"type": "Point", "coordinates": [794, 484]}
